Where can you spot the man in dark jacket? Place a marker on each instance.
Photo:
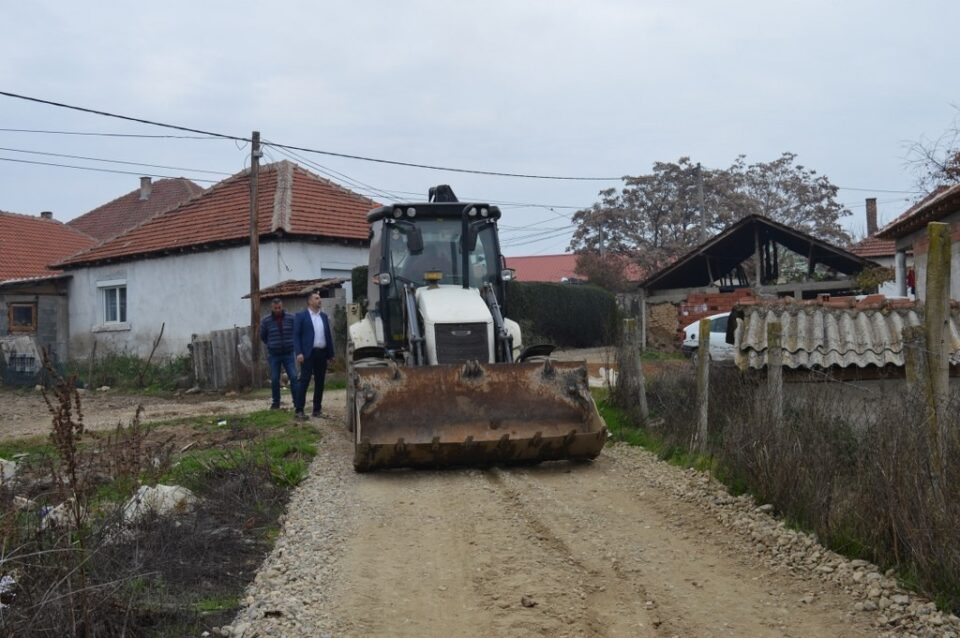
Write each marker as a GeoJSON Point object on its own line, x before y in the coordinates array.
{"type": "Point", "coordinates": [313, 344]}
{"type": "Point", "coordinates": [276, 330]}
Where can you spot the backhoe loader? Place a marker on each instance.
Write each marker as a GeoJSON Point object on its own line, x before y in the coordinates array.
{"type": "Point", "coordinates": [437, 375]}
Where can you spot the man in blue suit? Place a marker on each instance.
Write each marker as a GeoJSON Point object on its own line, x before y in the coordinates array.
{"type": "Point", "coordinates": [313, 346]}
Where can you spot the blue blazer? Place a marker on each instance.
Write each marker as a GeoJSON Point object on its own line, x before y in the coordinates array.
{"type": "Point", "coordinates": [303, 333]}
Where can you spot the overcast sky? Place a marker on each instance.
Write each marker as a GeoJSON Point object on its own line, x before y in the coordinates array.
{"type": "Point", "coordinates": [602, 88]}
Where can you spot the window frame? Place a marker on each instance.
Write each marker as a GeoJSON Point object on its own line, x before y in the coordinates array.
{"type": "Point", "coordinates": [106, 290]}
{"type": "Point", "coordinates": [12, 328]}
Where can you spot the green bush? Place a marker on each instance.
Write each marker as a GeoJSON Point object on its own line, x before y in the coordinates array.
{"type": "Point", "coordinates": [566, 315]}
{"type": "Point", "coordinates": [358, 279]}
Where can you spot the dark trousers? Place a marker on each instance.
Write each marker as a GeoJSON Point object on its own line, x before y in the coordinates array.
{"type": "Point", "coordinates": [315, 366]}
{"type": "Point", "coordinates": [289, 363]}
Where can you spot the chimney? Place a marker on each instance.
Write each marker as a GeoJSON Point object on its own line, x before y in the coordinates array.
{"type": "Point", "coordinates": [146, 187]}
{"type": "Point", "coordinates": [871, 216]}
{"type": "Point", "coordinates": [47, 214]}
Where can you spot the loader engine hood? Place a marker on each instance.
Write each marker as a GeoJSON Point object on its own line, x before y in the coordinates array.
{"type": "Point", "coordinates": [457, 325]}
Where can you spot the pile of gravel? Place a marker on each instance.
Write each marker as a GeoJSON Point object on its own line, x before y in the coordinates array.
{"type": "Point", "coordinates": [290, 594]}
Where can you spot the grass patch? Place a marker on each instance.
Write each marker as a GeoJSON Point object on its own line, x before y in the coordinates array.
{"type": "Point", "coordinates": [158, 576]}
{"type": "Point", "coordinates": [217, 604]}
{"type": "Point", "coordinates": [35, 447]}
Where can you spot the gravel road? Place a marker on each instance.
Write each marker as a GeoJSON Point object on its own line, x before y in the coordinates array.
{"type": "Point", "coordinates": [623, 546]}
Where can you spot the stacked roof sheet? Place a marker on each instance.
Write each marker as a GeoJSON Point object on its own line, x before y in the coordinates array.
{"type": "Point", "coordinates": [817, 336]}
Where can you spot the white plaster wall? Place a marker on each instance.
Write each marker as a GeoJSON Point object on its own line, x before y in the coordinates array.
{"type": "Point", "coordinates": [191, 293]}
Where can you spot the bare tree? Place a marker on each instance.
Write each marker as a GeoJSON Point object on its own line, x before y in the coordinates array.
{"type": "Point", "coordinates": [937, 162]}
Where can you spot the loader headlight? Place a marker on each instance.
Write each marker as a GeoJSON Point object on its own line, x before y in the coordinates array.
{"type": "Point", "coordinates": [472, 212]}
{"type": "Point", "coordinates": [508, 274]}
{"type": "Point", "coordinates": [382, 279]}
{"type": "Point", "coordinates": [411, 212]}
{"type": "Point", "coordinates": [484, 212]}
{"type": "Point", "coordinates": [398, 212]}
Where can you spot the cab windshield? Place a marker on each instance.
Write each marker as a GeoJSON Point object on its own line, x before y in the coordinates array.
{"type": "Point", "coordinates": [442, 252]}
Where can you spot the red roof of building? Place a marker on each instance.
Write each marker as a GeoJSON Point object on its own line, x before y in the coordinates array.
{"type": "Point", "coordinates": [297, 287]}
{"type": "Point", "coordinates": [125, 212]}
{"type": "Point", "coordinates": [554, 268]}
{"type": "Point", "coordinates": [941, 201]}
{"type": "Point", "coordinates": [28, 244]}
{"type": "Point", "coordinates": [874, 247]}
{"type": "Point", "coordinates": [292, 201]}
{"type": "Point", "coordinates": [557, 268]}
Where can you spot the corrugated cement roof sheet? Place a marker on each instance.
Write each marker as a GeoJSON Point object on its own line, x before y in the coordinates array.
{"type": "Point", "coordinates": [822, 337]}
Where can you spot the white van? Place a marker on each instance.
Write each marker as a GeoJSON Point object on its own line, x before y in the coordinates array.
{"type": "Point", "coordinates": [720, 350]}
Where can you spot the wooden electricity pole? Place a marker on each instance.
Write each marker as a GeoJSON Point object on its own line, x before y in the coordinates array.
{"type": "Point", "coordinates": [255, 154]}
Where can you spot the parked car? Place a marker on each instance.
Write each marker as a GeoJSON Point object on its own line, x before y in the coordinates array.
{"type": "Point", "coordinates": [720, 350]}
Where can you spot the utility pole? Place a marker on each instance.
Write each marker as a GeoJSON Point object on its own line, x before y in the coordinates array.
{"type": "Point", "coordinates": [255, 155]}
{"type": "Point", "coordinates": [703, 209]}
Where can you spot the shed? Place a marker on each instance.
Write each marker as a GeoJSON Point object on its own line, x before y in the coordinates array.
{"type": "Point", "coordinates": [754, 257]}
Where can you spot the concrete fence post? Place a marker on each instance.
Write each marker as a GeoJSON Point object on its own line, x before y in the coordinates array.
{"type": "Point", "coordinates": [775, 373]}
{"type": "Point", "coordinates": [630, 381]}
{"type": "Point", "coordinates": [703, 387]}
{"type": "Point", "coordinates": [936, 326]}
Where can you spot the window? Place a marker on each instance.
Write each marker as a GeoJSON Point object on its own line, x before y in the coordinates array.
{"type": "Point", "coordinates": [114, 304]}
{"type": "Point", "coordinates": [719, 324]}
{"type": "Point", "coordinates": [22, 317]}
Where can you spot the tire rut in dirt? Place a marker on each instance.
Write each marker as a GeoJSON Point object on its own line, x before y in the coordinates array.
{"type": "Point", "coordinates": [695, 581]}
{"type": "Point", "coordinates": [616, 602]}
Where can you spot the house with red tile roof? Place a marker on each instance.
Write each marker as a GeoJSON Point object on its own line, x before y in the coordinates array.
{"type": "Point", "coordinates": [880, 251]}
{"type": "Point", "coordinates": [33, 302]}
{"type": "Point", "coordinates": [909, 234]}
{"type": "Point", "coordinates": [152, 198]}
{"type": "Point", "coordinates": [186, 269]}
{"type": "Point", "coordinates": [557, 268]}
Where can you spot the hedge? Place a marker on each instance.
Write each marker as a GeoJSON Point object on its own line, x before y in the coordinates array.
{"type": "Point", "coordinates": [567, 315]}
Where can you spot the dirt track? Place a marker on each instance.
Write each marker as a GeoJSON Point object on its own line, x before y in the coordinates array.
{"type": "Point", "coordinates": [595, 549]}
{"type": "Point", "coordinates": [623, 546]}
{"type": "Point", "coordinates": [25, 413]}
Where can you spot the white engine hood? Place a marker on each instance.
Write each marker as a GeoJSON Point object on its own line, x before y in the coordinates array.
{"type": "Point", "coordinates": [452, 304]}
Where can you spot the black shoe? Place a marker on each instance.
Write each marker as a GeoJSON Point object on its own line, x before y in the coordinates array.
{"type": "Point", "coordinates": [300, 416]}
{"type": "Point", "coordinates": [274, 406]}
{"type": "Point", "coordinates": [317, 414]}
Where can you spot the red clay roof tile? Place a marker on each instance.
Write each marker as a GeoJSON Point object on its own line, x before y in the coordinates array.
{"type": "Point", "coordinates": [125, 212]}
{"type": "Point", "coordinates": [874, 247]}
{"type": "Point", "coordinates": [291, 200]}
{"type": "Point", "coordinates": [29, 244]}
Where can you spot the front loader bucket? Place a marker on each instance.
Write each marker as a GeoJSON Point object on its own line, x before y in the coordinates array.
{"type": "Point", "coordinates": [474, 414]}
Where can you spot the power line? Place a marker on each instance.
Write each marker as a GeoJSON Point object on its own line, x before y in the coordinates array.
{"type": "Point", "coordinates": [100, 159]}
{"type": "Point", "coordinates": [878, 190]}
{"type": "Point", "coordinates": [523, 241]}
{"type": "Point", "coordinates": [122, 117]}
{"type": "Point", "coordinates": [306, 149]}
{"type": "Point", "coordinates": [329, 172]}
{"type": "Point", "coordinates": [104, 134]}
{"type": "Point", "coordinates": [102, 170]}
